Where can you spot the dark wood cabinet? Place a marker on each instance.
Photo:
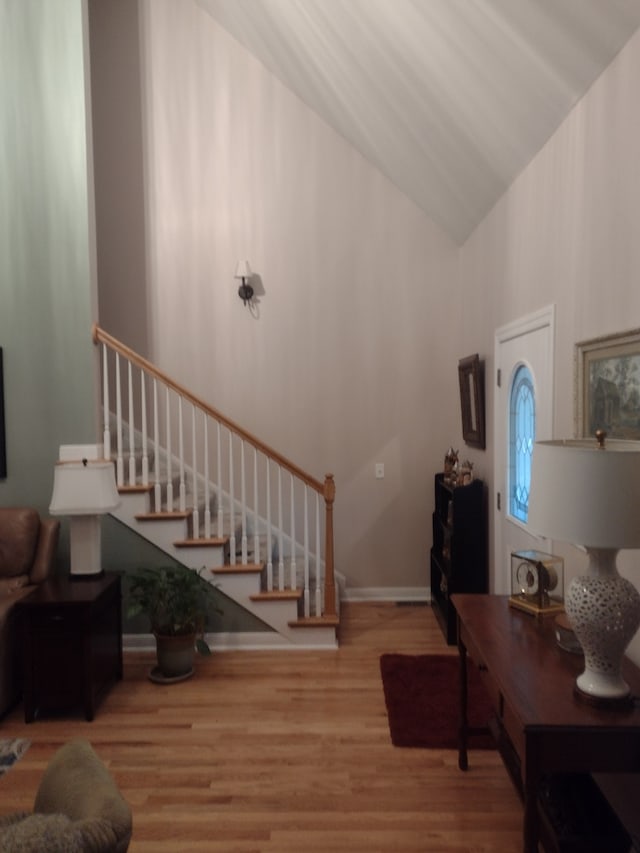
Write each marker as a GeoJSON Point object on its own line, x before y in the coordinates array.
{"type": "Point", "coordinates": [550, 740]}
{"type": "Point", "coordinates": [72, 644]}
{"type": "Point", "coordinates": [459, 561]}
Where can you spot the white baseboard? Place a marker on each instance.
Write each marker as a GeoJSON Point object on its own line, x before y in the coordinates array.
{"type": "Point", "coordinates": [227, 641]}
{"type": "Point", "coordinates": [409, 594]}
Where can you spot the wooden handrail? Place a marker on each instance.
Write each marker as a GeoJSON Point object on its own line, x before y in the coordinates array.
{"type": "Point", "coordinates": [100, 336]}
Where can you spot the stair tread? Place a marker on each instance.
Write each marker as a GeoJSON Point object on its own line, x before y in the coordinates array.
{"type": "Point", "coordinates": [238, 568]}
{"type": "Point", "coordinates": [134, 489]}
{"type": "Point", "coordinates": [315, 622]}
{"type": "Point", "coordinates": [278, 595]}
{"type": "Point", "coordinates": [194, 543]}
{"type": "Point", "coordinates": [162, 516]}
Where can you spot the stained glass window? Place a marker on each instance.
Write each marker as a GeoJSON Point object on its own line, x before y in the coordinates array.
{"type": "Point", "coordinates": [522, 436]}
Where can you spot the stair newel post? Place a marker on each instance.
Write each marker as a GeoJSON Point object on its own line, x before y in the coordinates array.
{"type": "Point", "coordinates": [232, 513]}
{"type": "Point", "coordinates": [329, 579]}
{"type": "Point", "coordinates": [195, 516]}
{"type": "Point", "coordinates": [157, 492]}
{"type": "Point", "coordinates": [119, 459]}
{"type": "Point", "coordinates": [318, 588]}
{"type": "Point", "coordinates": [293, 570]}
{"type": "Point", "coordinates": [132, 440]}
{"type": "Point", "coordinates": [269, 546]}
{"type": "Point", "coordinates": [307, 603]}
{"type": "Point", "coordinates": [243, 507]}
{"type": "Point", "coordinates": [145, 447]}
{"type": "Point", "coordinates": [182, 493]}
{"type": "Point", "coordinates": [280, 534]}
{"type": "Point", "coordinates": [256, 532]}
{"type": "Point", "coordinates": [106, 432]}
{"type": "Point", "coordinates": [219, 479]}
{"type": "Point", "coordinates": [169, 458]}
{"type": "Point", "coordinates": [207, 479]}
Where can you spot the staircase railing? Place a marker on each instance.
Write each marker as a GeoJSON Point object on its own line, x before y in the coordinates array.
{"type": "Point", "coordinates": [223, 478]}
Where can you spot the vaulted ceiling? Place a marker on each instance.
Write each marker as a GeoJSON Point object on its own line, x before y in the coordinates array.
{"type": "Point", "coordinates": [450, 99]}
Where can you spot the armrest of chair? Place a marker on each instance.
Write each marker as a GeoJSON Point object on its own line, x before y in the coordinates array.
{"type": "Point", "coordinates": [45, 550]}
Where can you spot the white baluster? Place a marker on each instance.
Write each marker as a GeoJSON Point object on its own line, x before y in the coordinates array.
{"type": "Point", "coordinates": [318, 578]}
{"type": "Point", "coordinates": [183, 494]}
{"type": "Point", "coordinates": [256, 523]}
{"type": "Point", "coordinates": [207, 481]}
{"type": "Point", "coordinates": [269, 545]}
{"type": "Point", "coordinates": [243, 506]}
{"type": "Point", "coordinates": [219, 481]}
{"type": "Point", "coordinates": [157, 492]}
{"type": "Point", "coordinates": [169, 460]}
{"type": "Point", "coordinates": [280, 534]}
{"type": "Point", "coordinates": [194, 466]}
{"type": "Point", "coordinates": [145, 440]}
{"type": "Point", "coordinates": [232, 538]}
{"type": "Point", "coordinates": [307, 604]}
{"type": "Point", "coordinates": [106, 433]}
{"type": "Point", "coordinates": [293, 579]}
{"type": "Point", "coordinates": [119, 459]}
{"type": "Point", "coordinates": [132, 441]}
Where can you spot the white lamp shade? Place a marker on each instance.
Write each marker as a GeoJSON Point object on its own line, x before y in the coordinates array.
{"type": "Point", "coordinates": [243, 270]}
{"type": "Point", "coordinates": [586, 495]}
{"type": "Point", "coordinates": [84, 488]}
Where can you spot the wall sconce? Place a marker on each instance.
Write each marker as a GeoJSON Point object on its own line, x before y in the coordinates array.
{"type": "Point", "coordinates": [243, 271]}
{"type": "Point", "coordinates": [84, 487]}
{"type": "Point", "coordinates": [588, 494]}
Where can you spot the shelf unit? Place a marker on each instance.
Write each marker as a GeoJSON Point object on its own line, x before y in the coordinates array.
{"type": "Point", "coordinates": [459, 553]}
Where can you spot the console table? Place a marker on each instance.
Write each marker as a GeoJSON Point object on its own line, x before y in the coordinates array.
{"type": "Point", "coordinates": [72, 643]}
{"type": "Point", "coordinates": [542, 728]}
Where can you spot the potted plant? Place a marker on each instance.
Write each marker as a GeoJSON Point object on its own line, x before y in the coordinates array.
{"type": "Point", "coordinates": [177, 601]}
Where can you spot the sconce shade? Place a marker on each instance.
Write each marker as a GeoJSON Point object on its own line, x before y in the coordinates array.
{"type": "Point", "coordinates": [243, 270]}
{"type": "Point", "coordinates": [586, 495]}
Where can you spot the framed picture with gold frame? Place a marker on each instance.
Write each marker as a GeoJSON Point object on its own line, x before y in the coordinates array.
{"type": "Point", "coordinates": [607, 386]}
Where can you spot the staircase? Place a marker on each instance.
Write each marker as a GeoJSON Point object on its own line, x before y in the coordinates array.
{"type": "Point", "coordinates": [209, 494]}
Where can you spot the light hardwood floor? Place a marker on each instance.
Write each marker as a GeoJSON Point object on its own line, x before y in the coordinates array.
{"type": "Point", "coordinates": [283, 752]}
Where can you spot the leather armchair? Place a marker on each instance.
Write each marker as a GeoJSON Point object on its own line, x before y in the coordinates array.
{"type": "Point", "coordinates": [27, 550]}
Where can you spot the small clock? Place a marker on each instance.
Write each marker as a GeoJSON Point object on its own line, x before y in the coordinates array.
{"type": "Point", "coordinates": [537, 582]}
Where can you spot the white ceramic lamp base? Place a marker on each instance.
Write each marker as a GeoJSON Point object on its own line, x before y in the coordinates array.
{"type": "Point", "coordinates": [604, 610]}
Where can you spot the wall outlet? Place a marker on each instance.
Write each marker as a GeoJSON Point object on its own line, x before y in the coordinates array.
{"type": "Point", "coordinates": [379, 470]}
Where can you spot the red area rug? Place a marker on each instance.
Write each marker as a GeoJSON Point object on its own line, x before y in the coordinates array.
{"type": "Point", "coordinates": [422, 697]}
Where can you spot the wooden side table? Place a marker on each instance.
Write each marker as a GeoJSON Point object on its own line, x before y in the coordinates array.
{"type": "Point", "coordinates": [543, 728]}
{"type": "Point", "coordinates": [72, 630]}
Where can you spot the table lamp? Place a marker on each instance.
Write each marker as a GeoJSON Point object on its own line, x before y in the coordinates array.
{"type": "Point", "coordinates": [84, 487]}
{"type": "Point", "coordinates": [587, 492]}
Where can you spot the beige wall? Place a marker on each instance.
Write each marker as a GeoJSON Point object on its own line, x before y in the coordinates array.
{"type": "Point", "coordinates": [567, 233]}
{"type": "Point", "coordinates": [346, 363]}
{"type": "Point", "coordinates": [366, 307]}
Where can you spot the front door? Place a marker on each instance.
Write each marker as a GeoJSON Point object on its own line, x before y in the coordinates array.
{"type": "Point", "coordinates": [524, 364]}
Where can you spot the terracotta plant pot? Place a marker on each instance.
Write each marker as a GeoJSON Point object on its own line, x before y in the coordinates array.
{"type": "Point", "coordinates": [175, 655]}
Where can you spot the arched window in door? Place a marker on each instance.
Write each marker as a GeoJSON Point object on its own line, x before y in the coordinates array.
{"type": "Point", "coordinates": [522, 436]}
